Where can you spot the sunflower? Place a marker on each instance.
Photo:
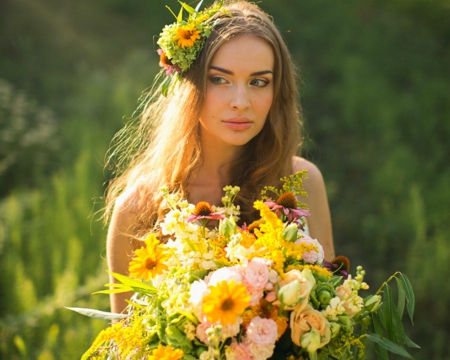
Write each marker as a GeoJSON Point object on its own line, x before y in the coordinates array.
{"type": "Point", "coordinates": [186, 35]}
{"type": "Point", "coordinates": [225, 302]}
{"type": "Point", "coordinates": [166, 353]}
{"type": "Point", "coordinates": [149, 260]}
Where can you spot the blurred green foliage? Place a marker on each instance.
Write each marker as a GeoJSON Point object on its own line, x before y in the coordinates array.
{"type": "Point", "coordinates": [377, 105]}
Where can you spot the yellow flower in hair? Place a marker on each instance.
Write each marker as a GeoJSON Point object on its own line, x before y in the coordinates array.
{"type": "Point", "coordinates": [166, 353]}
{"type": "Point", "coordinates": [149, 260]}
{"type": "Point", "coordinates": [186, 35]}
{"type": "Point", "coordinates": [225, 302]}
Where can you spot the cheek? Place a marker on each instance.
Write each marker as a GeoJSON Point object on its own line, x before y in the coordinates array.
{"type": "Point", "coordinates": [265, 104]}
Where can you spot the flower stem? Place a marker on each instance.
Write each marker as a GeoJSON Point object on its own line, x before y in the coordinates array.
{"type": "Point", "coordinates": [386, 282]}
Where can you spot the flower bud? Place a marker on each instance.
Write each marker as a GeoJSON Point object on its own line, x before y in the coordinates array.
{"type": "Point", "coordinates": [324, 297]}
{"type": "Point", "coordinates": [271, 297]}
{"type": "Point", "coordinates": [335, 328]}
{"type": "Point", "coordinates": [227, 227]}
{"type": "Point", "coordinates": [366, 320]}
{"type": "Point", "coordinates": [372, 303]}
{"type": "Point", "coordinates": [289, 294]}
{"type": "Point", "coordinates": [290, 233]}
{"type": "Point", "coordinates": [364, 286]}
{"type": "Point", "coordinates": [345, 321]}
{"type": "Point", "coordinates": [311, 340]}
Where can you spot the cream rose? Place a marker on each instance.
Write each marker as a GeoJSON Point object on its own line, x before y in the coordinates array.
{"type": "Point", "coordinates": [302, 321]}
{"type": "Point", "coordinates": [306, 281]}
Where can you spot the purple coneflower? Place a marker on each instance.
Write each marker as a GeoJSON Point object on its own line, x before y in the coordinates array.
{"type": "Point", "coordinates": [287, 204]}
{"type": "Point", "coordinates": [340, 265]}
{"type": "Point", "coordinates": [204, 211]}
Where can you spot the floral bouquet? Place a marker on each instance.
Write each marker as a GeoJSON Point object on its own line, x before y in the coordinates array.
{"type": "Point", "coordinates": [254, 292]}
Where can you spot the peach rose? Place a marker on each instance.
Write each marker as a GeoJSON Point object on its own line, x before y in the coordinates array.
{"type": "Point", "coordinates": [302, 321]}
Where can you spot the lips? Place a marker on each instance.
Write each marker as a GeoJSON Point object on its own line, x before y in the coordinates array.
{"type": "Point", "coordinates": [238, 123]}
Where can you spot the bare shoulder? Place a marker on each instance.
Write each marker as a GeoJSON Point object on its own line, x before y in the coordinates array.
{"type": "Point", "coordinates": [314, 174]}
{"type": "Point", "coordinates": [128, 201]}
{"type": "Point", "coordinates": [320, 221]}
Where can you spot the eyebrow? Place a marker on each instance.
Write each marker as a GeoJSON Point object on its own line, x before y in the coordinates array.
{"type": "Point", "coordinates": [257, 73]}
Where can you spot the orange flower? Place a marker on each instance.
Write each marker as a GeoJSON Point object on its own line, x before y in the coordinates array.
{"type": "Point", "coordinates": [166, 353]}
{"type": "Point", "coordinates": [186, 35]}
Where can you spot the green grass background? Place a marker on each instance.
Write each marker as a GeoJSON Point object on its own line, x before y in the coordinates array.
{"type": "Point", "coordinates": [375, 93]}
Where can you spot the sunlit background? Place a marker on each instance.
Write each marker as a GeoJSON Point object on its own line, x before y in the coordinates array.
{"type": "Point", "coordinates": [376, 98]}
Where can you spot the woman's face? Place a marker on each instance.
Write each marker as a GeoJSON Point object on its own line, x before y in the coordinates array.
{"type": "Point", "coordinates": [239, 91]}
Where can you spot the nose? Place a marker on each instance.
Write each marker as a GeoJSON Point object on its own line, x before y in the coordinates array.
{"type": "Point", "coordinates": [240, 98]}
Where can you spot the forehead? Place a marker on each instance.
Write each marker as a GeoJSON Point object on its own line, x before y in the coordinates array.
{"type": "Point", "coordinates": [245, 52]}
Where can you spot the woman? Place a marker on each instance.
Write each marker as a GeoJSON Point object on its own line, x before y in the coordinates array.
{"type": "Point", "coordinates": [233, 118]}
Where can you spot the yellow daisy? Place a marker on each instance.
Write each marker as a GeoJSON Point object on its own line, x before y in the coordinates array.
{"type": "Point", "coordinates": [186, 35]}
{"type": "Point", "coordinates": [166, 353]}
{"type": "Point", "coordinates": [149, 260]}
{"type": "Point", "coordinates": [225, 302]}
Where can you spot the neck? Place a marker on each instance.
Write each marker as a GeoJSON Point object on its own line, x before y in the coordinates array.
{"type": "Point", "coordinates": [214, 172]}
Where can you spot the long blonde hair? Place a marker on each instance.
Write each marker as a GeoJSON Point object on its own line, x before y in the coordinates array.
{"type": "Point", "coordinates": [163, 147]}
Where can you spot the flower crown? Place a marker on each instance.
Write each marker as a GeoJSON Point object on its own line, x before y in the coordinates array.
{"type": "Point", "coordinates": [181, 42]}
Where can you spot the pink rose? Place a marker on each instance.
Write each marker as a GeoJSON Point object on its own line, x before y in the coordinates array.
{"type": "Point", "coordinates": [200, 332]}
{"type": "Point", "coordinates": [255, 274]}
{"type": "Point", "coordinates": [239, 351]}
{"type": "Point", "coordinates": [311, 256]}
{"type": "Point", "coordinates": [258, 351]}
{"type": "Point", "coordinates": [262, 331]}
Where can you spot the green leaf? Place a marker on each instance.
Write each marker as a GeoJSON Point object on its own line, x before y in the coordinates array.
{"type": "Point", "coordinates": [387, 312]}
{"type": "Point", "coordinates": [188, 8]}
{"type": "Point", "coordinates": [388, 345]}
{"type": "Point", "coordinates": [377, 327]}
{"type": "Point", "coordinates": [134, 284]}
{"type": "Point", "coordinates": [180, 15]}
{"type": "Point", "coordinates": [411, 343]}
{"type": "Point", "coordinates": [397, 332]}
{"type": "Point", "coordinates": [96, 314]}
{"type": "Point", "coordinates": [410, 298]}
{"type": "Point", "coordinates": [171, 11]}
{"type": "Point", "coordinates": [401, 297]}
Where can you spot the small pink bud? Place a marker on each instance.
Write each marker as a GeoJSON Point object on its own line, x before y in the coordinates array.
{"type": "Point", "coordinates": [270, 297]}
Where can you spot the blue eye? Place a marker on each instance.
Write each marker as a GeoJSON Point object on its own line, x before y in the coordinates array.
{"type": "Point", "coordinates": [259, 82]}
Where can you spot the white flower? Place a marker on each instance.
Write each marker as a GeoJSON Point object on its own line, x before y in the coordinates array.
{"type": "Point", "coordinates": [197, 291]}
{"type": "Point", "coordinates": [334, 309]}
{"type": "Point", "coordinates": [236, 252]}
{"type": "Point", "coordinates": [225, 274]}
{"type": "Point", "coordinates": [211, 354]}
